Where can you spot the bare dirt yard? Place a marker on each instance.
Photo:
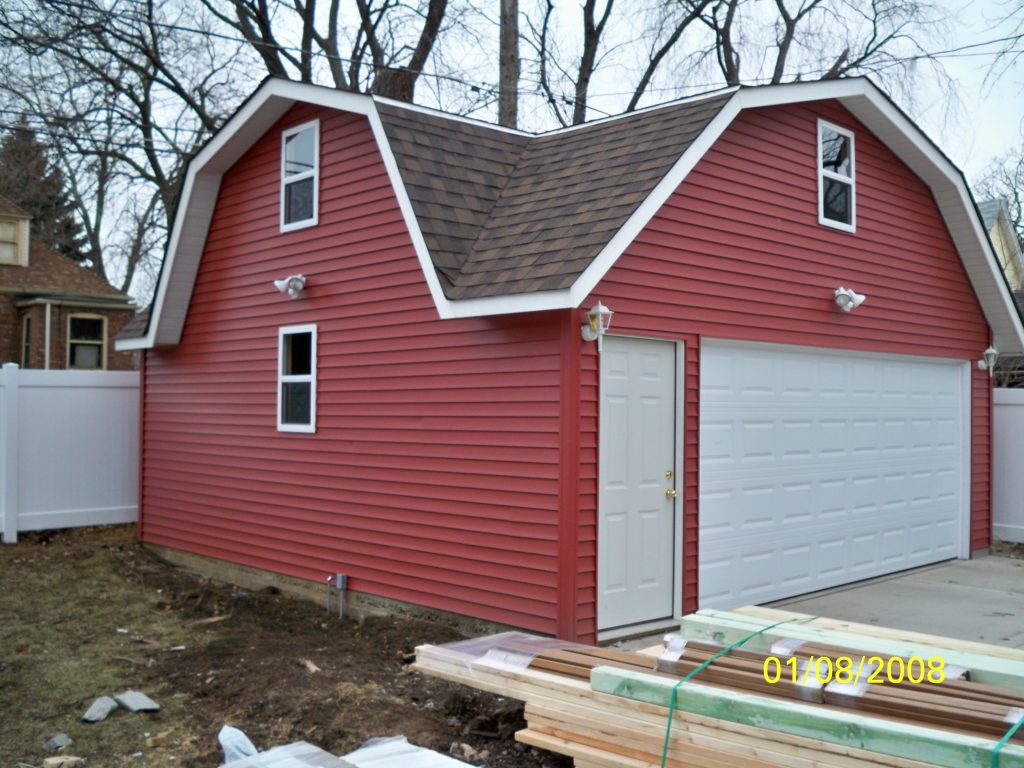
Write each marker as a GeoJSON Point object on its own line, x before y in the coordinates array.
{"type": "Point", "coordinates": [86, 613]}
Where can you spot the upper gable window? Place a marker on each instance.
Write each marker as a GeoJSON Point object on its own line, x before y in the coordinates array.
{"type": "Point", "coordinates": [300, 176]}
{"type": "Point", "coordinates": [837, 205]}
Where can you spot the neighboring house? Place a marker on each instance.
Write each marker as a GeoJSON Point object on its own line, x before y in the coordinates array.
{"type": "Point", "coordinates": [54, 313]}
{"type": "Point", "coordinates": [999, 225]}
{"type": "Point", "coordinates": [425, 417]}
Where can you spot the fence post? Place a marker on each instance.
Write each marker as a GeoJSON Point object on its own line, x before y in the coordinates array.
{"type": "Point", "coordinates": [9, 453]}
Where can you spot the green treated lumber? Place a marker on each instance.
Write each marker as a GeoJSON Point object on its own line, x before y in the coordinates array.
{"type": "Point", "coordinates": [772, 615]}
{"type": "Point", "coordinates": [727, 628]}
{"type": "Point", "coordinates": [888, 737]}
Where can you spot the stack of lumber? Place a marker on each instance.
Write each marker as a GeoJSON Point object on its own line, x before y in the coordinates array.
{"type": "Point", "coordinates": [608, 708]}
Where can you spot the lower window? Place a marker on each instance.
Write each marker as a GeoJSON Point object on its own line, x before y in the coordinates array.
{"type": "Point", "coordinates": [296, 379]}
{"type": "Point", "coordinates": [87, 340]}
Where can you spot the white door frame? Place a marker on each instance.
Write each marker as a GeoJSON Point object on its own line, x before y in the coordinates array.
{"type": "Point", "coordinates": [678, 505]}
{"type": "Point", "coordinates": [966, 444]}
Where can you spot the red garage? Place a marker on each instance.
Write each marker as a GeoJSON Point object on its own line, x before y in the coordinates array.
{"type": "Point", "coordinates": [365, 355]}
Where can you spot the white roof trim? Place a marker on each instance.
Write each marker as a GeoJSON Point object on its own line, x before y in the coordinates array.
{"type": "Point", "coordinates": [859, 96]}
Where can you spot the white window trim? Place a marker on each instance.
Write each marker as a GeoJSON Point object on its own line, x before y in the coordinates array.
{"type": "Point", "coordinates": [313, 174]}
{"type": "Point", "coordinates": [288, 330]}
{"type": "Point", "coordinates": [101, 344]}
{"type": "Point", "coordinates": [21, 239]}
{"type": "Point", "coordinates": [851, 179]}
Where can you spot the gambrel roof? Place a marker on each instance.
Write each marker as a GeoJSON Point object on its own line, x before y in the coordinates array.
{"type": "Point", "coordinates": [503, 213]}
{"type": "Point", "coordinates": [505, 221]}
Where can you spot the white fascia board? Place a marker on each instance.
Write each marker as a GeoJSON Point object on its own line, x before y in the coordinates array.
{"type": "Point", "coordinates": [956, 205]}
{"type": "Point", "coordinates": [605, 260]}
{"type": "Point", "coordinates": [444, 308]}
{"type": "Point", "coordinates": [860, 96]}
{"type": "Point", "coordinates": [898, 132]}
{"type": "Point", "coordinates": [642, 216]}
{"type": "Point", "coordinates": [202, 183]}
{"type": "Point", "coordinates": [128, 345]}
{"type": "Point", "coordinates": [511, 304]}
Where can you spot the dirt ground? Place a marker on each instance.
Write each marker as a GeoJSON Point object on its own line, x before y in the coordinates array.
{"type": "Point", "coordinates": [89, 612]}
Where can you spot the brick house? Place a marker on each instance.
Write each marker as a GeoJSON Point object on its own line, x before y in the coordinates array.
{"type": "Point", "coordinates": [54, 313]}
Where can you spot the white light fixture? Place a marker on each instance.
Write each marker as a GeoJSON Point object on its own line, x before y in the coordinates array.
{"type": "Point", "coordinates": [988, 361]}
{"type": "Point", "coordinates": [293, 285]}
{"type": "Point", "coordinates": [847, 299]}
{"type": "Point", "coordinates": [599, 320]}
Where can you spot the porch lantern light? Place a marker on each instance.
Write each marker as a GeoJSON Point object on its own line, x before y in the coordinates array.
{"type": "Point", "coordinates": [988, 361]}
{"type": "Point", "coordinates": [599, 320]}
{"type": "Point", "coordinates": [293, 285]}
{"type": "Point", "coordinates": [848, 299]}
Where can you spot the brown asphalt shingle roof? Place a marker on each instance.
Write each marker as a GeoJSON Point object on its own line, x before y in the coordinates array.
{"type": "Point", "coordinates": [505, 213]}
{"type": "Point", "coordinates": [7, 208]}
{"type": "Point", "coordinates": [50, 274]}
{"type": "Point", "coordinates": [136, 327]}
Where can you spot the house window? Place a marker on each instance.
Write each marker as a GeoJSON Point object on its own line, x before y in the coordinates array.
{"type": "Point", "coordinates": [836, 184]}
{"type": "Point", "coordinates": [296, 379]}
{"type": "Point", "coordinates": [26, 341]}
{"type": "Point", "coordinates": [87, 342]}
{"type": "Point", "coordinates": [300, 176]}
{"type": "Point", "coordinates": [9, 250]}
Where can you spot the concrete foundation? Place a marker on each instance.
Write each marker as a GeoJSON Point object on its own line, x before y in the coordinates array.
{"type": "Point", "coordinates": [358, 605]}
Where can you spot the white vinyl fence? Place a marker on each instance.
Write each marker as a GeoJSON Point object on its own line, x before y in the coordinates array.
{"type": "Point", "coordinates": [1008, 464]}
{"type": "Point", "coordinates": [69, 449]}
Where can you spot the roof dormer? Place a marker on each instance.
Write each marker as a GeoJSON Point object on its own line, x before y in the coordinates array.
{"type": "Point", "coordinates": [14, 235]}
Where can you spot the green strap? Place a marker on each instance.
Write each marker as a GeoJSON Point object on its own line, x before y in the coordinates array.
{"type": "Point", "coordinates": [1002, 742]}
{"type": "Point", "coordinates": [737, 644]}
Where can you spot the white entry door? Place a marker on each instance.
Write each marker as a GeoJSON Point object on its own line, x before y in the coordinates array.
{"type": "Point", "coordinates": [638, 485]}
{"type": "Point", "coordinates": [820, 467]}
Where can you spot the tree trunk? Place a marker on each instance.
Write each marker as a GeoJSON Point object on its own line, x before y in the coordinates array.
{"type": "Point", "coordinates": [508, 58]}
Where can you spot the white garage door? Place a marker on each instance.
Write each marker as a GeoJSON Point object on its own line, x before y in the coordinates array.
{"type": "Point", "coordinates": [820, 467]}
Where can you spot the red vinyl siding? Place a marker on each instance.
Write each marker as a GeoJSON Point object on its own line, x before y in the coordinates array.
{"type": "Point", "coordinates": [737, 253]}
{"type": "Point", "coordinates": [433, 475]}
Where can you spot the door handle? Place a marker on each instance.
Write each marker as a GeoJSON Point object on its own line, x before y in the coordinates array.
{"type": "Point", "coordinates": [671, 493]}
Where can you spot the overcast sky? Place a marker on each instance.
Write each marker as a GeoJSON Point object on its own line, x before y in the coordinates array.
{"type": "Point", "coordinates": [989, 120]}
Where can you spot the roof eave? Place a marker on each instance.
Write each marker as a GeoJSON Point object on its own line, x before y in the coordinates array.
{"type": "Point", "coordinates": [957, 206]}
{"type": "Point", "coordinates": [864, 100]}
{"type": "Point", "coordinates": [202, 183]}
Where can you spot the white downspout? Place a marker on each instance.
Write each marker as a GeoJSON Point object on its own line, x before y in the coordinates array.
{"type": "Point", "coordinates": [46, 335]}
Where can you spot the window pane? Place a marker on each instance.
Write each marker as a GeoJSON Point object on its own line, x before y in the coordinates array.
{"type": "Point", "coordinates": [8, 252]}
{"type": "Point", "coordinates": [87, 328]}
{"type": "Point", "coordinates": [837, 201]}
{"type": "Point", "coordinates": [298, 201]}
{"type": "Point", "coordinates": [298, 356]}
{"type": "Point", "coordinates": [85, 355]}
{"type": "Point", "coordinates": [835, 152]}
{"type": "Point", "coordinates": [8, 231]}
{"type": "Point", "coordinates": [295, 402]}
{"type": "Point", "coordinates": [299, 152]}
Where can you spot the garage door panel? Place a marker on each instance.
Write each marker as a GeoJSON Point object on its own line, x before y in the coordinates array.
{"type": "Point", "coordinates": [818, 468]}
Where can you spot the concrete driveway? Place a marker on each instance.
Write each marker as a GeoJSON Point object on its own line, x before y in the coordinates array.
{"type": "Point", "coordinates": [981, 600]}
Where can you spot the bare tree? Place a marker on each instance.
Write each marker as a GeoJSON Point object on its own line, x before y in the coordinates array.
{"type": "Point", "coordinates": [818, 39]}
{"type": "Point", "coordinates": [124, 100]}
{"type": "Point", "coordinates": [565, 82]}
{"type": "Point", "coordinates": [508, 64]}
{"type": "Point", "coordinates": [377, 51]}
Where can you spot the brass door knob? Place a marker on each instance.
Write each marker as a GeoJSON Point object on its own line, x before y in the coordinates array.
{"type": "Point", "coordinates": [671, 493]}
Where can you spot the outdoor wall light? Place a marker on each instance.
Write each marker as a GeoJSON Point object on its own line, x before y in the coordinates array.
{"type": "Point", "coordinates": [293, 285]}
{"type": "Point", "coordinates": [988, 361]}
{"type": "Point", "coordinates": [599, 320]}
{"type": "Point", "coordinates": [847, 299]}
